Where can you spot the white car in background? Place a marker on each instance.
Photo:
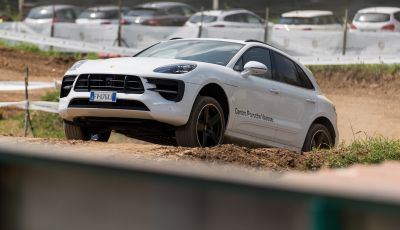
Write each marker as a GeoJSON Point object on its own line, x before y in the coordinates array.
{"type": "Point", "coordinates": [44, 14]}
{"type": "Point", "coordinates": [102, 15]}
{"type": "Point", "coordinates": [199, 91]}
{"type": "Point", "coordinates": [238, 18]}
{"type": "Point", "coordinates": [377, 19]}
{"type": "Point", "coordinates": [308, 20]}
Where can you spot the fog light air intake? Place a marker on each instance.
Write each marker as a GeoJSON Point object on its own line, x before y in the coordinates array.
{"type": "Point", "coordinates": [169, 89]}
{"type": "Point", "coordinates": [66, 85]}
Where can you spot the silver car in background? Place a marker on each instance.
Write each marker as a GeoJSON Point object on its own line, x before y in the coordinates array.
{"type": "Point", "coordinates": [44, 14]}
{"type": "Point", "coordinates": [101, 15]}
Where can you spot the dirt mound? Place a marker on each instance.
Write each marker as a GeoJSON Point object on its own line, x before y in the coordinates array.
{"type": "Point", "coordinates": [261, 158]}
{"type": "Point", "coordinates": [358, 79]}
{"type": "Point", "coordinates": [39, 65]}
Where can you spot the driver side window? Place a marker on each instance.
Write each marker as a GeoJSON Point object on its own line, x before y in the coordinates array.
{"type": "Point", "coordinates": [258, 54]}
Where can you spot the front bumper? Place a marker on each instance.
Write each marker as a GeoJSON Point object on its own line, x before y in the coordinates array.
{"type": "Point", "coordinates": [162, 110]}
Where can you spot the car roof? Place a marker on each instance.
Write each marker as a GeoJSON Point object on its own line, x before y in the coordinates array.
{"type": "Point", "coordinates": [160, 4]}
{"type": "Point", "coordinates": [225, 12]}
{"type": "Point", "coordinates": [57, 7]}
{"type": "Point", "coordinates": [307, 13]}
{"type": "Point", "coordinates": [104, 8]}
{"type": "Point", "coordinates": [387, 10]}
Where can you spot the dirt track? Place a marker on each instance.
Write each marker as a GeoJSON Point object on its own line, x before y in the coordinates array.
{"type": "Point", "coordinates": [366, 105]}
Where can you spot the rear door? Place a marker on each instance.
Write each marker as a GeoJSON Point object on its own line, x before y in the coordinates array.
{"type": "Point", "coordinates": [297, 102]}
{"type": "Point", "coordinates": [256, 100]}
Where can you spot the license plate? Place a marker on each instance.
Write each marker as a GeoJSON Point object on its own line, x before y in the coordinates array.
{"type": "Point", "coordinates": [100, 96]}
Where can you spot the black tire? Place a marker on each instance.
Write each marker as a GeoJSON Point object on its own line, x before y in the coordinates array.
{"type": "Point", "coordinates": [205, 127]}
{"type": "Point", "coordinates": [318, 137]}
{"type": "Point", "coordinates": [75, 132]}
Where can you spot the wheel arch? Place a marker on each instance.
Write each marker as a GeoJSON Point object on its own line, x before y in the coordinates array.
{"type": "Point", "coordinates": [328, 124]}
{"type": "Point", "coordinates": [216, 91]}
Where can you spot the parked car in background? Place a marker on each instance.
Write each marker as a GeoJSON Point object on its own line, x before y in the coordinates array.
{"type": "Point", "coordinates": [308, 20]}
{"type": "Point", "coordinates": [101, 15]}
{"type": "Point", "coordinates": [4, 17]}
{"type": "Point", "coordinates": [377, 19]}
{"type": "Point", "coordinates": [44, 14]}
{"type": "Point", "coordinates": [160, 14]}
{"type": "Point", "coordinates": [227, 18]}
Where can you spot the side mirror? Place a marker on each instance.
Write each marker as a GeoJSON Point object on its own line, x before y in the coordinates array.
{"type": "Point", "coordinates": [253, 68]}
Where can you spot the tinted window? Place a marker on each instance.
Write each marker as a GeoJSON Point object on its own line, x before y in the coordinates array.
{"type": "Point", "coordinates": [255, 54]}
{"type": "Point", "coordinates": [236, 18]}
{"type": "Point", "coordinates": [206, 18]}
{"type": "Point", "coordinates": [296, 21]}
{"type": "Point", "coordinates": [41, 13]}
{"type": "Point", "coordinates": [187, 11]}
{"type": "Point", "coordinates": [215, 52]}
{"type": "Point", "coordinates": [286, 71]}
{"type": "Point", "coordinates": [68, 15]}
{"type": "Point", "coordinates": [176, 10]}
{"type": "Point", "coordinates": [397, 16]}
{"type": "Point", "coordinates": [90, 14]}
{"type": "Point", "coordinates": [142, 12]}
{"type": "Point", "coordinates": [253, 19]}
{"type": "Point", "coordinates": [371, 17]}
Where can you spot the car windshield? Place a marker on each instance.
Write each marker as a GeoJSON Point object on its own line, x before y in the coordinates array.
{"type": "Point", "coordinates": [92, 14]}
{"type": "Point", "coordinates": [142, 12]}
{"type": "Point", "coordinates": [206, 18]}
{"type": "Point", "coordinates": [41, 13]}
{"type": "Point", "coordinates": [372, 17]}
{"type": "Point", "coordinates": [214, 52]}
{"type": "Point", "coordinates": [296, 21]}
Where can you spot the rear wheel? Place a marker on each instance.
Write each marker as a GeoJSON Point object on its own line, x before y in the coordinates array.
{"type": "Point", "coordinates": [75, 132]}
{"type": "Point", "coordinates": [318, 137]}
{"type": "Point", "coordinates": [206, 125]}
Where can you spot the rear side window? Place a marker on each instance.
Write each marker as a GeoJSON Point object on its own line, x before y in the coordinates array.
{"type": "Point", "coordinates": [235, 18]}
{"type": "Point", "coordinates": [206, 18]}
{"type": "Point", "coordinates": [372, 17]}
{"type": "Point", "coordinates": [255, 54]}
{"type": "Point", "coordinates": [397, 16]}
{"type": "Point", "coordinates": [253, 19]}
{"type": "Point", "coordinates": [176, 10]}
{"type": "Point", "coordinates": [296, 21]}
{"type": "Point", "coordinates": [41, 13]}
{"type": "Point", "coordinates": [286, 71]}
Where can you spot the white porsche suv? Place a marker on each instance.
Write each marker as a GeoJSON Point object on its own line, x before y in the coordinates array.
{"type": "Point", "coordinates": [199, 92]}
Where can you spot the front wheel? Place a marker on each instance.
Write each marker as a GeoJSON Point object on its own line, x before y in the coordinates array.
{"type": "Point", "coordinates": [206, 125]}
{"type": "Point", "coordinates": [75, 132]}
{"type": "Point", "coordinates": [318, 137]}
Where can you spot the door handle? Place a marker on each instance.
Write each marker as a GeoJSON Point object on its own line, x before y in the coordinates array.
{"type": "Point", "coordinates": [313, 101]}
{"type": "Point", "coordinates": [275, 91]}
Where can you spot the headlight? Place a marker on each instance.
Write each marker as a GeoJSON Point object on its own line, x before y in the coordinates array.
{"type": "Point", "coordinates": [77, 65]}
{"type": "Point", "coordinates": [176, 69]}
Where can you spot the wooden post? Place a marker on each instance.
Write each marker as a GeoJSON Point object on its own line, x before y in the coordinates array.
{"type": "Point", "coordinates": [28, 121]}
{"type": "Point", "coordinates": [201, 23]}
{"type": "Point", "coordinates": [266, 25]}
{"type": "Point", "coordinates": [119, 33]}
{"type": "Point", "coordinates": [21, 4]}
{"type": "Point", "coordinates": [346, 15]}
{"type": "Point", "coordinates": [53, 20]}
{"type": "Point", "coordinates": [215, 4]}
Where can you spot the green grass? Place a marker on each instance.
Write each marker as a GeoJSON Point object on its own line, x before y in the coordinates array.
{"type": "Point", "coordinates": [31, 48]}
{"type": "Point", "coordinates": [371, 150]}
{"type": "Point", "coordinates": [53, 96]}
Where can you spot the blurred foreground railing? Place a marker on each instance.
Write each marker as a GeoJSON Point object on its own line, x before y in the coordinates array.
{"type": "Point", "coordinates": [53, 191]}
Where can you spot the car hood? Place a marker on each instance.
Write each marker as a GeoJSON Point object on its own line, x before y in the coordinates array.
{"type": "Point", "coordinates": [140, 66]}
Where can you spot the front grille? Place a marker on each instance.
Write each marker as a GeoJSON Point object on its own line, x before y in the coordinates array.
{"type": "Point", "coordinates": [109, 82]}
{"type": "Point", "coordinates": [119, 104]}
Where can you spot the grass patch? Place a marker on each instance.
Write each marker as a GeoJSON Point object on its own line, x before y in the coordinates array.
{"type": "Point", "coordinates": [32, 48]}
{"type": "Point", "coordinates": [53, 96]}
{"type": "Point", "coordinates": [371, 150]}
{"type": "Point", "coordinates": [45, 125]}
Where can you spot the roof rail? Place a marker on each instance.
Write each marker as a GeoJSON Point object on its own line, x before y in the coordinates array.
{"type": "Point", "coordinates": [254, 40]}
